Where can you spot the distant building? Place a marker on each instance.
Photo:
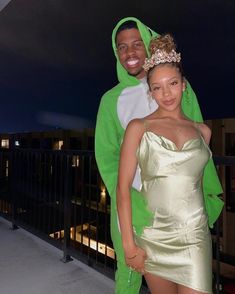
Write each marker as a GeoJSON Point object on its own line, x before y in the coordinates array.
{"type": "Point", "coordinates": [53, 140]}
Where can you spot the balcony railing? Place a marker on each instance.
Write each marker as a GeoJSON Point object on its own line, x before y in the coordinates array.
{"type": "Point", "coordinates": [60, 197]}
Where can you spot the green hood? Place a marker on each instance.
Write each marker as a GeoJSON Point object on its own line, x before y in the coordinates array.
{"type": "Point", "coordinates": [146, 35]}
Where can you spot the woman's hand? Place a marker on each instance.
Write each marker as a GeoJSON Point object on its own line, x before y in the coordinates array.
{"type": "Point", "coordinates": [136, 259]}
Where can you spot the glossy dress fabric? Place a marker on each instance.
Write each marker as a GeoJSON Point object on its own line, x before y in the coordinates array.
{"type": "Point", "coordinates": [178, 243]}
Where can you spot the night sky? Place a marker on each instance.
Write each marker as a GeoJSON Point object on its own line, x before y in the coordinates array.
{"type": "Point", "coordinates": [56, 58]}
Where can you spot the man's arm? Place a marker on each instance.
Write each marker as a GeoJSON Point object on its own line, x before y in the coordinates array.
{"type": "Point", "coordinates": [107, 143]}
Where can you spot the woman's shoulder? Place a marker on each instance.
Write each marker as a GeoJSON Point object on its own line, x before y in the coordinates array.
{"type": "Point", "coordinates": [136, 125]}
{"type": "Point", "coordinates": [205, 131]}
{"type": "Point", "coordinates": [204, 128]}
{"type": "Point", "coordinates": [135, 131]}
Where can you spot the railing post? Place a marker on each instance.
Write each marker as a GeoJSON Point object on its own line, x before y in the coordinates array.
{"type": "Point", "coordinates": [67, 208]}
{"type": "Point", "coordinates": [217, 273]}
{"type": "Point", "coordinates": [12, 184]}
{"type": "Point", "coordinates": [217, 277]}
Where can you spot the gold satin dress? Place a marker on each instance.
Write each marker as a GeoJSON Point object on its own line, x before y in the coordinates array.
{"type": "Point", "coordinates": [178, 243]}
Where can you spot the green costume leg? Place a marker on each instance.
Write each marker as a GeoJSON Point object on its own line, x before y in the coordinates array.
{"type": "Point", "coordinates": [122, 286]}
{"type": "Point", "coordinates": [125, 284]}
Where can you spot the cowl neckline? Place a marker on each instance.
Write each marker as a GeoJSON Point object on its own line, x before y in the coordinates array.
{"type": "Point", "coordinates": [166, 142]}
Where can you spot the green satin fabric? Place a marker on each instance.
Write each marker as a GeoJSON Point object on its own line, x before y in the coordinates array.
{"type": "Point", "coordinates": [178, 243]}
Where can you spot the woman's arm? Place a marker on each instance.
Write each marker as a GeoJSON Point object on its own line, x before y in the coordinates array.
{"type": "Point", "coordinates": [127, 167]}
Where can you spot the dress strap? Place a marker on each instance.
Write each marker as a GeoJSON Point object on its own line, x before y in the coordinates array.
{"type": "Point", "coordinates": [197, 128]}
{"type": "Point", "coordinates": [145, 124]}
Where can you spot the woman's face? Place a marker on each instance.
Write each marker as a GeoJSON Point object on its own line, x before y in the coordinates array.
{"type": "Point", "coordinates": [166, 86]}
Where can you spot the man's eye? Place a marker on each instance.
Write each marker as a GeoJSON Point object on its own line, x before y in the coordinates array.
{"type": "Point", "coordinates": [174, 83]}
{"type": "Point", "coordinates": [138, 44]}
{"type": "Point", "coordinates": [121, 48]}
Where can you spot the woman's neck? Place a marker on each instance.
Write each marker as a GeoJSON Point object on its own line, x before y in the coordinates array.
{"type": "Point", "coordinates": [177, 114]}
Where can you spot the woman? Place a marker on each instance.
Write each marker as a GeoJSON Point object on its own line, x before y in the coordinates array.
{"type": "Point", "coordinates": [174, 252]}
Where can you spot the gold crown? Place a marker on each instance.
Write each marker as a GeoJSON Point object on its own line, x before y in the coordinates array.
{"type": "Point", "coordinates": [161, 56]}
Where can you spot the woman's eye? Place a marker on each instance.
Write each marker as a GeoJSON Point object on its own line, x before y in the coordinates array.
{"type": "Point", "coordinates": [156, 88]}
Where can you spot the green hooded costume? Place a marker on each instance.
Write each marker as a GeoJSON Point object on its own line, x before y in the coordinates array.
{"type": "Point", "coordinates": [110, 128]}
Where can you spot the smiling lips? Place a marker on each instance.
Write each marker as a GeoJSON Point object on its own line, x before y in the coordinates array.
{"type": "Point", "coordinates": [132, 62]}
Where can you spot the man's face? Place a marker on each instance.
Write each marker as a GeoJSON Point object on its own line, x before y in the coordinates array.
{"type": "Point", "coordinates": [131, 52]}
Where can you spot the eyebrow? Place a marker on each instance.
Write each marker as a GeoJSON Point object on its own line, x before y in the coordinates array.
{"type": "Point", "coordinates": [168, 79]}
{"type": "Point", "coordinates": [138, 40]}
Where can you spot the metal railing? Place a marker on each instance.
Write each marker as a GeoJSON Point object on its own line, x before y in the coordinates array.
{"type": "Point", "coordinates": [59, 196]}
{"type": "Point", "coordinates": [218, 254]}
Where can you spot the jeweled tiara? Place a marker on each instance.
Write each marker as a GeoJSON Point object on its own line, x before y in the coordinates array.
{"type": "Point", "coordinates": [161, 56]}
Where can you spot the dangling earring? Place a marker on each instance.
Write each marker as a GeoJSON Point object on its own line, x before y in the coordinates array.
{"type": "Point", "coordinates": [184, 84]}
{"type": "Point", "coordinates": [185, 93]}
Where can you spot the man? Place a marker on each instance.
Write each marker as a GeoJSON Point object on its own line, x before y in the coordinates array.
{"type": "Point", "coordinates": [126, 101]}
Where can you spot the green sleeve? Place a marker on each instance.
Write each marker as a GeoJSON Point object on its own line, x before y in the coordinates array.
{"type": "Point", "coordinates": [108, 138]}
{"type": "Point", "coordinates": [212, 188]}
{"type": "Point", "coordinates": [108, 135]}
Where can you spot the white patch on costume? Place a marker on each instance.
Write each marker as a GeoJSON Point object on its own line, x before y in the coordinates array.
{"type": "Point", "coordinates": [134, 102]}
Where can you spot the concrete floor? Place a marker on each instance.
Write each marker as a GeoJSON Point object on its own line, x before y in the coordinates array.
{"type": "Point", "coordinates": [28, 265]}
